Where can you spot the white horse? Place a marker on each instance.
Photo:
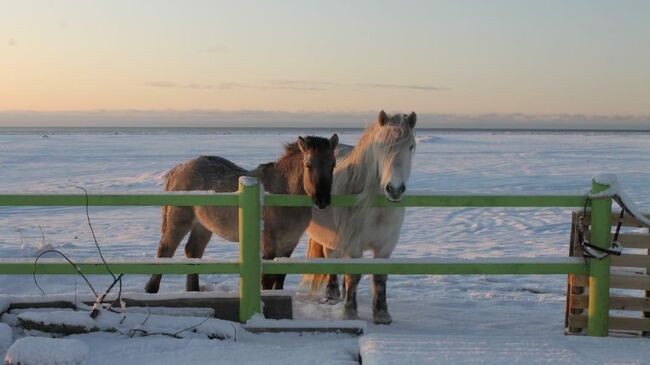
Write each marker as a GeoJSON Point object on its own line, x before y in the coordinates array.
{"type": "Point", "coordinates": [379, 163]}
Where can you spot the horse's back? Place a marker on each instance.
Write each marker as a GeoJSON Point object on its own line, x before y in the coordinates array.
{"type": "Point", "coordinates": [204, 173]}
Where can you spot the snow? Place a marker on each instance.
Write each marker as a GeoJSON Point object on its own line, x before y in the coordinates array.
{"type": "Point", "coordinates": [151, 323]}
{"type": "Point", "coordinates": [261, 322]}
{"type": "Point", "coordinates": [497, 309]}
{"type": "Point", "coordinates": [616, 190]}
{"type": "Point", "coordinates": [248, 181]}
{"type": "Point", "coordinates": [497, 350]}
{"type": "Point", "coordinates": [47, 351]}
{"type": "Point", "coordinates": [6, 338]}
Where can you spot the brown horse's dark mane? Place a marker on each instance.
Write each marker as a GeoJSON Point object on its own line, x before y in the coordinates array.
{"type": "Point", "coordinates": [313, 142]}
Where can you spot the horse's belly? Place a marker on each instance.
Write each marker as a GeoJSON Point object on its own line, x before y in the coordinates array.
{"type": "Point", "coordinates": [221, 221]}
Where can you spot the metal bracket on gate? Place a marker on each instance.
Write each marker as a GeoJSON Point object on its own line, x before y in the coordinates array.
{"type": "Point", "coordinates": [595, 252]}
{"type": "Point", "coordinates": [598, 253]}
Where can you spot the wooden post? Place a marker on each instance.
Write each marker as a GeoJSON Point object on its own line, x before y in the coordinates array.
{"type": "Point", "coordinates": [601, 228]}
{"type": "Point", "coordinates": [646, 294]}
{"type": "Point", "coordinates": [249, 247]}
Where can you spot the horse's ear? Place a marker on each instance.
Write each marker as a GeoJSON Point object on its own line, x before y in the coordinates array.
{"type": "Point", "coordinates": [302, 144]}
{"type": "Point", "coordinates": [382, 118]}
{"type": "Point", "coordinates": [334, 140]}
{"type": "Point", "coordinates": [411, 119]}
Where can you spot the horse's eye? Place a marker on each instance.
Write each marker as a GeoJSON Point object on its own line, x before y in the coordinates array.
{"type": "Point", "coordinates": [308, 165]}
{"type": "Point", "coordinates": [412, 147]}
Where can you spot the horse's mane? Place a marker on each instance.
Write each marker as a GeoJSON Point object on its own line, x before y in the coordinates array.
{"type": "Point", "coordinates": [358, 172]}
{"type": "Point", "coordinates": [312, 142]}
{"type": "Point", "coordinates": [361, 165]}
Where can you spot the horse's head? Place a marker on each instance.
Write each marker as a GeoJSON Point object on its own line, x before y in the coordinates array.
{"type": "Point", "coordinates": [395, 151]}
{"type": "Point", "coordinates": [318, 167]}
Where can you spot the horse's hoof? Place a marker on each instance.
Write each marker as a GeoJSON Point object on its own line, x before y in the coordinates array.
{"type": "Point", "coordinates": [333, 293]}
{"type": "Point", "coordinates": [349, 314]}
{"type": "Point", "coordinates": [330, 301]}
{"type": "Point", "coordinates": [382, 317]}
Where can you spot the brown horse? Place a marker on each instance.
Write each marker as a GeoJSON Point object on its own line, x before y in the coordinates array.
{"type": "Point", "coordinates": [305, 168]}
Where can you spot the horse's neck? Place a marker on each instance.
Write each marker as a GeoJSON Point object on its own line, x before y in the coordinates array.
{"type": "Point", "coordinates": [284, 176]}
{"type": "Point", "coordinates": [357, 174]}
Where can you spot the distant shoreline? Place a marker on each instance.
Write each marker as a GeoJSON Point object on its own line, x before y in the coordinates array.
{"type": "Point", "coordinates": [228, 130]}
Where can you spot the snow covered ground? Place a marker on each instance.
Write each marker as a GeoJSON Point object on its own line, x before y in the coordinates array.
{"type": "Point", "coordinates": [523, 309]}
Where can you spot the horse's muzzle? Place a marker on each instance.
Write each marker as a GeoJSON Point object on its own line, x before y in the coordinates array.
{"type": "Point", "coordinates": [394, 194]}
{"type": "Point", "coordinates": [322, 203]}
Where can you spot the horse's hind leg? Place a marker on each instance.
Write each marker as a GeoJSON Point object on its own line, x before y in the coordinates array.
{"type": "Point", "coordinates": [350, 296]}
{"type": "Point", "coordinates": [177, 221]}
{"type": "Point", "coordinates": [199, 238]}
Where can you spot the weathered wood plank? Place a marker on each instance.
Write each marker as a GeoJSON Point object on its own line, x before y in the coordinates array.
{"type": "Point", "coordinates": [628, 221]}
{"type": "Point", "coordinates": [636, 282]}
{"type": "Point", "coordinates": [628, 260]}
{"type": "Point", "coordinates": [355, 331]}
{"type": "Point", "coordinates": [634, 240]}
{"type": "Point", "coordinates": [615, 303]}
{"type": "Point", "coordinates": [352, 327]}
{"type": "Point", "coordinates": [615, 323]}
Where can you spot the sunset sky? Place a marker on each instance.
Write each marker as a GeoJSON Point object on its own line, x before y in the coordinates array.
{"type": "Point", "coordinates": [434, 57]}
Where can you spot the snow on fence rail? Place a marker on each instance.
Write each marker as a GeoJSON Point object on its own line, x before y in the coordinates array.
{"type": "Point", "coordinates": [250, 199]}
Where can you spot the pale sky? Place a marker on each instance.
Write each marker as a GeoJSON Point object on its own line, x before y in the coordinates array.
{"type": "Point", "coordinates": [454, 58]}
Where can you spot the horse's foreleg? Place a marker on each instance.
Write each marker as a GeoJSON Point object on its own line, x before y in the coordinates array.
{"type": "Point", "coordinates": [178, 223]}
{"type": "Point", "coordinates": [350, 296]}
{"type": "Point", "coordinates": [380, 313]}
{"type": "Point", "coordinates": [199, 238]}
{"type": "Point", "coordinates": [332, 291]}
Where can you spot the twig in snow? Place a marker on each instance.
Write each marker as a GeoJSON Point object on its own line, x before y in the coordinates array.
{"type": "Point", "coordinates": [69, 261]}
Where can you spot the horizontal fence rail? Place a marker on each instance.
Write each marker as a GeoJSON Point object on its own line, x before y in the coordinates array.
{"type": "Point", "coordinates": [509, 266]}
{"type": "Point", "coordinates": [440, 201]}
{"type": "Point", "coordinates": [59, 267]}
{"type": "Point", "coordinates": [499, 266]}
{"type": "Point", "coordinates": [281, 200]}
{"type": "Point", "coordinates": [249, 200]}
{"type": "Point", "coordinates": [178, 199]}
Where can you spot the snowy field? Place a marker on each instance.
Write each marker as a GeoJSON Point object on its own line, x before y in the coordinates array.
{"type": "Point", "coordinates": [510, 313]}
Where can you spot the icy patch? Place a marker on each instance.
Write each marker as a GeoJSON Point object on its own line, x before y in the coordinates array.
{"type": "Point", "coordinates": [47, 351]}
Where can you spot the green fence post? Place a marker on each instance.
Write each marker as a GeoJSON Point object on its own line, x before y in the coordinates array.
{"type": "Point", "coordinates": [249, 247]}
{"type": "Point", "coordinates": [601, 228]}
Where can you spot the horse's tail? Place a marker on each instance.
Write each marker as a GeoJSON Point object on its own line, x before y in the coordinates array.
{"type": "Point", "coordinates": [314, 281]}
{"type": "Point", "coordinates": [165, 208]}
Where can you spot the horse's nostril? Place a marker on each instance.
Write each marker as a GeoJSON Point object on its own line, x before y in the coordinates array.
{"type": "Point", "coordinates": [402, 188]}
{"type": "Point", "coordinates": [389, 188]}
